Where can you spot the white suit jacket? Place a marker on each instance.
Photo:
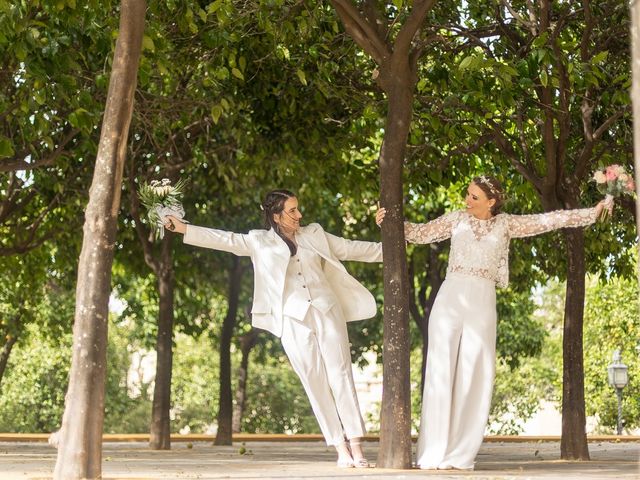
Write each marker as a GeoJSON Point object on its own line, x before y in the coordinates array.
{"type": "Point", "coordinates": [270, 257]}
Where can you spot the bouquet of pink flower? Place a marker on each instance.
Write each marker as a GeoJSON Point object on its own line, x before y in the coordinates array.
{"type": "Point", "coordinates": [613, 181]}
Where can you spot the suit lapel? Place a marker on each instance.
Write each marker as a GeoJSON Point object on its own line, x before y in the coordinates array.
{"type": "Point", "coordinates": [274, 242]}
{"type": "Point", "coordinates": [312, 239]}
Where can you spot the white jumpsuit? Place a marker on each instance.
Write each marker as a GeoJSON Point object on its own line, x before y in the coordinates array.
{"type": "Point", "coordinates": [462, 327]}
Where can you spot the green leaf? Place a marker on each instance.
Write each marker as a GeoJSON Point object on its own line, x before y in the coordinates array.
{"type": "Point", "coordinates": [212, 7]}
{"type": "Point", "coordinates": [600, 57]}
{"type": "Point", "coordinates": [6, 148]}
{"type": "Point", "coordinates": [216, 112]}
{"type": "Point", "coordinates": [301, 76]}
{"type": "Point", "coordinates": [544, 78]}
{"type": "Point", "coordinates": [80, 118]}
{"type": "Point", "coordinates": [21, 51]}
{"type": "Point", "coordinates": [147, 44]}
{"type": "Point", "coordinates": [237, 73]}
{"type": "Point", "coordinates": [467, 63]}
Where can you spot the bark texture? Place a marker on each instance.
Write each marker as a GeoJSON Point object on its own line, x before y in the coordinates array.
{"type": "Point", "coordinates": [80, 445]}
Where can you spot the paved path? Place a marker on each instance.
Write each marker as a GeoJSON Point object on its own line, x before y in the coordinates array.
{"type": "Point", "coordinates": [313, 460]}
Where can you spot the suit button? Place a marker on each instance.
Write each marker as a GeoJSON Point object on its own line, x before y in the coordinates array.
{"type": "Point", "coordinates": [304, 286]}
{"type": "Point", "coordinates": [299, 273]}
{"type": "Point", "coordinates": [309, 301]}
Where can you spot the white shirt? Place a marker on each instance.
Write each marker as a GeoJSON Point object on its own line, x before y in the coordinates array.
{"type": "Point", "coordinates": [306, 285]}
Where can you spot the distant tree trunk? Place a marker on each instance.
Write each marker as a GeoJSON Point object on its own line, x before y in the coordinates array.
{"type": "Point", "coordinates": [80, 445]}
{"type": "Point", "coordinates": [225, 408]}
{"type": "Point", "coordinates": [6, 351]}
{"type": "Point", "coordinates": [573, 444]}
{"type": "Point", "coordinates": [247, 342]}
{"type": "Point", "coordinates": [162, 266]}
{"type": "Point", "coordinates": [421, 304]}
{"type": "Point", "coordinates": [160, 431]}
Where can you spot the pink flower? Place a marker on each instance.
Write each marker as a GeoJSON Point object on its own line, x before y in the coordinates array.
{"type": "Point", "coordinates": [611, 172]}
{"type": "Point", "coordinates": [631, 186]}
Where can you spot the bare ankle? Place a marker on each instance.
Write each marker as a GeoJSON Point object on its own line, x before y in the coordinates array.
{"type": "Point", "coordinates": [355, 445]}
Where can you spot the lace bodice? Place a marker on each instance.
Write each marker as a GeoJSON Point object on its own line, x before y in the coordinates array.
{"type": "Point", "coordinates": [481, 247]}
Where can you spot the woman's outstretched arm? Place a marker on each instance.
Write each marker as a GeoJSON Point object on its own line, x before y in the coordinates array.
{"type": "Point", "coordinates": [434, 231]}
{"type": "Point", "coordinates": [529, 225]}
{"type": "Point", "coordinates": [215, 239]}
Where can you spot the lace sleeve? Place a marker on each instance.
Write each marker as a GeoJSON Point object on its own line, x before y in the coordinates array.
{"type": "Point", "coordinates": [430, 232]}
{"type": "Point", "coordinates": [529, 225]}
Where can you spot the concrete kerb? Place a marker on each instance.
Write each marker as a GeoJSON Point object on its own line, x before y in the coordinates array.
{"type": "Point", "coordinates": [311, 437]}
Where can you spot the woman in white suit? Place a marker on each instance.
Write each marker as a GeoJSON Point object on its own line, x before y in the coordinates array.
{"type": "Point", "coordinates": [304, 295]}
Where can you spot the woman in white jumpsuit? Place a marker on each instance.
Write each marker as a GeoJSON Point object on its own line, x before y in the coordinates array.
{"type": "Point", "coordinates": [304, 295]}
{"type": "Point", "coordinates": [462, 325]}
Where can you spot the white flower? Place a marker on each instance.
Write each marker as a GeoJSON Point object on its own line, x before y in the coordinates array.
{"type": "Point", "coordinates": [162, 191]}
{"type": "Point", "coordinates": [623, 177]}
{"type": "Point", "coordinates": [600, 177]}
{"type": "Point", "coordinates": [166, 181]}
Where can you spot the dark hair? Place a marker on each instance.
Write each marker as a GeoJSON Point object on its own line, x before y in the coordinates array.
{"type": "Point", "coordinates": [273, 205]}
{"type": "Point", "coordinates": [492, 188]}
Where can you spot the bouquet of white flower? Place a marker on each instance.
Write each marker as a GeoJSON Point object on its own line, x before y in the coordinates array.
{"type": "Point", "coordinates": [161, 199]}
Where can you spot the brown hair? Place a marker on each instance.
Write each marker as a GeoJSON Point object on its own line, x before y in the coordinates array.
{"type": "Point", "coordinates": [492, 188]}
{"type": "Point", "coordinates": [273, 205]}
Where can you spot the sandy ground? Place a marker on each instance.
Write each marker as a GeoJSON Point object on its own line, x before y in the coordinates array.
{"type": "Point", "coordinates": [313, 460]}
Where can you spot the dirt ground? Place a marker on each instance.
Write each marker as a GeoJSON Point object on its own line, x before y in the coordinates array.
{"type": "Point", "coordinates": [313, 460]}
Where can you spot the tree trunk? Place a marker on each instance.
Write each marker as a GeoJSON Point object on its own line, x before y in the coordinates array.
{"type": "Point", "coordinates": [80, 447]}
{"type": "Point", "coordinates": [160, 431]}
{"type": "Point", "coordinates": [421, 314]}
{"type": "Point", "coordinates": [395, 416]}
{"type": "Point", "coordinates": [6, 351]}
{"type": "Point", "coordinates": [225, 408]}
{"type": "Point", "coordinates": [247, 342]}
{"type": "Point", "coordinates": [573, 444]}
{"type": "Point", "coordinates": [635, 99]}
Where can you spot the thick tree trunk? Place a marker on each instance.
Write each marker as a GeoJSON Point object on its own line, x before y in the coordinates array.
{"type": "Point", "coordinates": [395, 417]}
{"type": "Point", "coordinates": [247, 342]}
{"type": "Point", "coordinates": [635, 99]}
{"type": "Point", "coordinates": [367, 23]}
{"type": "Point", "coordinates": [573, 444]}
{"type": "Point", "coordinates": [225, 408]}
{"type": "Point", "coordinates": [160, 431]}
{"type": "Point", "coordinates": [4, 354]}
{"type": "Point", "coordinates": [80, 446]}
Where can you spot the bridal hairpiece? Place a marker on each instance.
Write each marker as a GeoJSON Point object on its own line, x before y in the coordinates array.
{"type": "Point", "coordinates": [487, 182]}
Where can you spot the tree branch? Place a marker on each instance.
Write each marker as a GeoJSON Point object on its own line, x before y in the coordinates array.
{"type": "Point", "coordinates": [411, 26]}
{"type": "Point", "coordinates": [362, 32]}
{"type": "Point", "coordinates": [18, 161]}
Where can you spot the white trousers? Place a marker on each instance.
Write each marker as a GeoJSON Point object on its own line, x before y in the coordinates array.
{"type": "Point", "coordinates": [319, 352]}
{"type": "Point", "coordinates": [460, 373]}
